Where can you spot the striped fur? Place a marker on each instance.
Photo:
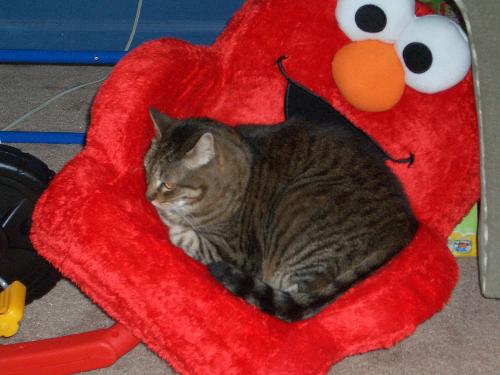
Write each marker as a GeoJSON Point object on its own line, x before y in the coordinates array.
{"type": "Point", "coordinates": [286, 217]}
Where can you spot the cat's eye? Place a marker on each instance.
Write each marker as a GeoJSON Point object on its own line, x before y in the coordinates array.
{"type": "Point", "coordinates": [167, 185]}
{"type": "Point", "coordinates": [383, 20]}
{"type": "Point", "coordinates": [435, 54]}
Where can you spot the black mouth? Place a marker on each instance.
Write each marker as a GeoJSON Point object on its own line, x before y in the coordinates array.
{"type": "Point", "coordinates": [300, 102]}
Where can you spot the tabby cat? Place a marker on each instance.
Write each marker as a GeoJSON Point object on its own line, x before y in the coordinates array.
{"type": "Point", "coordinates": [286, 216]}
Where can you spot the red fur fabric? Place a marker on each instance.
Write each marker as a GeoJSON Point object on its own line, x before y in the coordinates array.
{"type": "Point", "coordinates": [96, 226]}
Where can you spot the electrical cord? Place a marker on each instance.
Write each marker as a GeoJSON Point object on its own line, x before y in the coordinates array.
{"type": "Point", "coordinates": [134, 26]}
{"type": "Point", "coordinates": [75, 88]}
{"type": "Point", "coordinates": [48, 102]}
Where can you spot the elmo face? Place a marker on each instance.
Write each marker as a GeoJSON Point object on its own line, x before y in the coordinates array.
{"type": "Point", "coordinates": [394, 70]}
{"type": "Point", "coordinates": [390, 48]}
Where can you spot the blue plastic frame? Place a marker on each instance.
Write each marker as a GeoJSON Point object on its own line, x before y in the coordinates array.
{"type": "Point", "coordinates": [54, 57]}
{"type": "Point", "coordinates": [61, 57]}
{"type": "Point", "coordinates": [65, 138]}
{"type": "Point", "coordinates": [190, 20]}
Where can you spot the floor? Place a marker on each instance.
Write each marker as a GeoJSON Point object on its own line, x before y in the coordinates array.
{"type": "Point", "coordinates": [463, 339]}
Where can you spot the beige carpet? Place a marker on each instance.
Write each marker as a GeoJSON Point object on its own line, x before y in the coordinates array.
{"type": "Point", "coordinates": [463, 339]}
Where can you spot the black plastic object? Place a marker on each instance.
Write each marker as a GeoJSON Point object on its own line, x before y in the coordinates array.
{"type": "Point", "coordinates": [22, 180]}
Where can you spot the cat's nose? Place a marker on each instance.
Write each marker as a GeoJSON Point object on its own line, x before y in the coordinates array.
{"type": "Point", "coordinates": [151, 195]}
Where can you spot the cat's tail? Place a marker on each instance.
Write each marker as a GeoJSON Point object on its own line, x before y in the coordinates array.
{"type": "Point", "coordinates": [284, 305]}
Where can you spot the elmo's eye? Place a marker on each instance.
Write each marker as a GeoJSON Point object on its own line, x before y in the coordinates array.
{"type": "Point", "coordinates": [374, 19]}
{"type": "Point", "coordinates": [435, 53]}
{"type": "Point", "coordinates": [417, 57]}
{"type": "Point", "coordinates": [371, 18]}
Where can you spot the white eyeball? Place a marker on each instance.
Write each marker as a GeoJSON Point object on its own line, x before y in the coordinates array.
{"type": "Point", "coordinates": [374, 19]}
{"type": "Point", "coordinates": [435, 54]}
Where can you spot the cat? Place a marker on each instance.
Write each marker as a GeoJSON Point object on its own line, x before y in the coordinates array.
{"type": "Point", "coordinates": [287, 216]}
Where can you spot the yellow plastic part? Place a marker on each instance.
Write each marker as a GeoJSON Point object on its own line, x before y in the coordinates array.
{"type": "Point", "coordinates": [12, 302]}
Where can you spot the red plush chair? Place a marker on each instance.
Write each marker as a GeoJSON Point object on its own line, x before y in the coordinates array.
{"type": "Point", "coordinates": [95, 225]}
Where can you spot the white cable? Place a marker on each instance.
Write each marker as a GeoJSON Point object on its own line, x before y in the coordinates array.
{"type": "Point", "coordinates": [61, 94]}
{"type": "Point", "coordinates": [134, 26]}
{"type": "Point", "coordinates": [48, 102]}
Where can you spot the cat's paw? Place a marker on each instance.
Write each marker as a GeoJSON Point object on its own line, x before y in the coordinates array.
{"type": "Point", "coordinates": [225, 271]}
{"type": "Point", "coordinates": [219, 270]}
{"type": "Point", "coordinates": [231, 277]}
{"type": "Point", "coordinates": [294, 288]}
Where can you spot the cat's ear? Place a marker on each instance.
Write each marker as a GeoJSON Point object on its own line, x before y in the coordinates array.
{"type": "Point", "coordinates": [202, 153]}
{"type": "Point", "coordinates": [161, 122]}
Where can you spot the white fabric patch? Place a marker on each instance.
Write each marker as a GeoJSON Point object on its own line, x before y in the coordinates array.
{"type": "Point", "coordinates": [449, 46]}
{"type": "Point", "coordinates": [399, 14]}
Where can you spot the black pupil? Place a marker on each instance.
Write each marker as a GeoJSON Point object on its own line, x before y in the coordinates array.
{"type": "Point", "coordinates": [371, 18]}
{"type": "Point", "coordinates": [417, 57]}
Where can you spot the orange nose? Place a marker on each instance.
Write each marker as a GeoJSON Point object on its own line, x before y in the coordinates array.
{"type": "Point", "coordinates": [369, 75]}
